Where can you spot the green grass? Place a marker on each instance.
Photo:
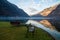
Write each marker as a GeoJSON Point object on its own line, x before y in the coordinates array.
{"type": "Point", "coordinates": [7, 32]}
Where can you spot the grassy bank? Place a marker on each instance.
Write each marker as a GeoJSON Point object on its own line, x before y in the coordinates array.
{"type": "Point", "coordinates": [7, 32]}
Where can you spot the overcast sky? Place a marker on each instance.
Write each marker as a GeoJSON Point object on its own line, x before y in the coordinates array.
{"type": "Point", "coordinates": [31, 7]}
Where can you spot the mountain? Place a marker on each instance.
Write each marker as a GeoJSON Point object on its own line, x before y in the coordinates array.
{"type": "Point", "coordinates": [46, 11]}
{"type": "Point", "coordinates": [55, 12]}
{"type": "Point", "coordinates": [9, 9]}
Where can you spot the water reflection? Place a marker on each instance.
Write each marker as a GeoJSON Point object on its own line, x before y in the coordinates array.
{"type": "Point", "coordinates": [47, 26]}
{"type": "Point", "coordinates": [51, 23]}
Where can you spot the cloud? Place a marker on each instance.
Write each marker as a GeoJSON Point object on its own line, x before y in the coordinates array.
{"type": "Point", "coordinates": [30, 7]}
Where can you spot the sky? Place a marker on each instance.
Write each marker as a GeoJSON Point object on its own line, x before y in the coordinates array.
{"type": "Point", "coordinates": [32, 7]}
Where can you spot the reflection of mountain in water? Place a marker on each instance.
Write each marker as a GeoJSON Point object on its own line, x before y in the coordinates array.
{"type": "Point", "coordinates": [46, 23]}
{"type": "Point", "coordinates": [8, 9]}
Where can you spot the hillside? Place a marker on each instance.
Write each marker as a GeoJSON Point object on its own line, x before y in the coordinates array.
{"type": "Point", "coordinates": [47, 11]}
{"type": "Point", "coordinates": [55, 12]}
{"type": "Point", "coordinates": [9, 9]}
